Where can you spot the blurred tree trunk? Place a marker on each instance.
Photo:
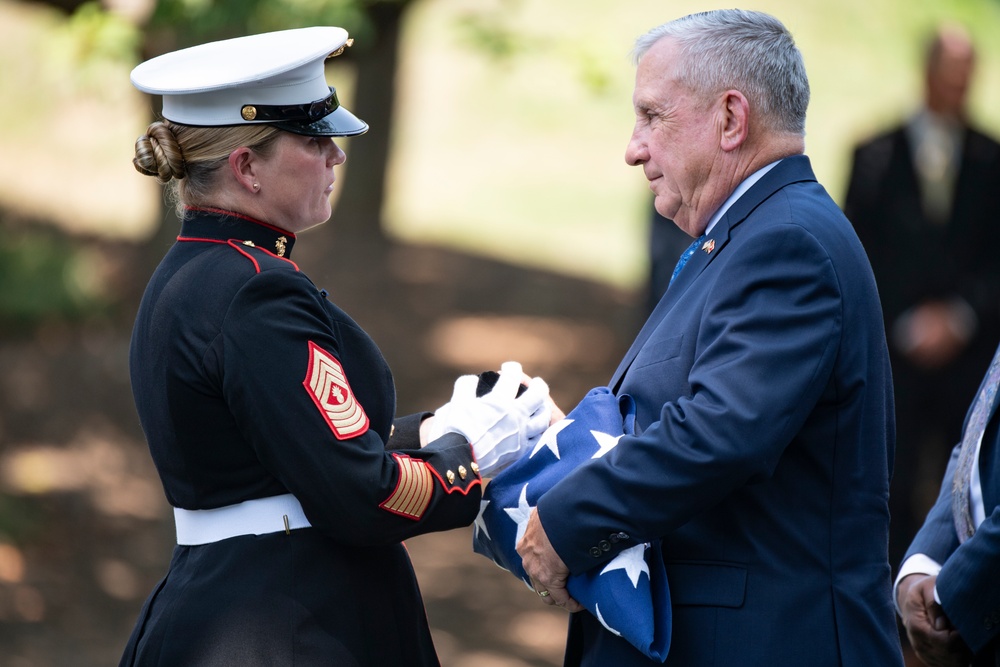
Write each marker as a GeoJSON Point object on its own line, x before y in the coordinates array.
{"type": "Point", "coordinates": [68, 6]}
{"type": "Point", "coordinates": [359, 209]}
{"type": "Point", "coordinates": [356, 230]}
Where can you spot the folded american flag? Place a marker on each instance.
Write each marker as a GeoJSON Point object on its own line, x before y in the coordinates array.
{"type": "Point", "coordinates": [629, 595]}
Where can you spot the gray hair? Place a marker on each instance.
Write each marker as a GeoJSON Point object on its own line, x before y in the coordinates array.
{"type": "Point", "coordinates": [743, 50]}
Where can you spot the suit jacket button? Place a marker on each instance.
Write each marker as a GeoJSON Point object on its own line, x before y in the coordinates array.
{"type": "Point", "coordinates": [605, 545]}
{"type": "Point", "coordinates": [613, 538]}
{"type": "Point", "coordinates": [595, 552]}
{"type": "Point", "coordinates": [623, 536]}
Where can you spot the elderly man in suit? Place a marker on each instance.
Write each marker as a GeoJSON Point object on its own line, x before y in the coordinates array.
{"type": "Point", "coordinates": [948, 588]}
{"type": "Point", "coordinates": [764, 410]}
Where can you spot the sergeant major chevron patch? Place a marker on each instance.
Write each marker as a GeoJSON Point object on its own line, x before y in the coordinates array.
{"type": "Point", "coordinates": [327, 385]}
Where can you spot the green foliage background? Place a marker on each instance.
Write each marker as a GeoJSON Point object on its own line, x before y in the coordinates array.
{"type": "Point", "coordinates": [512, 115]}
{"type": "Point", "coordinates": [528, 143]}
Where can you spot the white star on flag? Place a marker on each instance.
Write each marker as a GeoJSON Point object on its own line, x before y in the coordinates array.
{"type": "Point", "coordinates": [520, 514]}
{"type": "Point", "coordinates": [548, 438]}
{"type": "Point", "coordinates": [480, 524]}
{"type": "Point", "coordinates": [605, 443]}
{"type": "Point", "coordinates": [597, 612]}
{"type": "Point", "coordinates": [633, 561]}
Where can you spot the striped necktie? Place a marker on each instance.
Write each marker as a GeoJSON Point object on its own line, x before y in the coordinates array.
{"type": "Point", "coordinates": [685, 256]}
{"type": "Point", "coordinates": [982, 410]}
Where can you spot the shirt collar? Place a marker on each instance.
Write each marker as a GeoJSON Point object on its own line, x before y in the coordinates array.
{"type": "Point", "coordinates": [747, 183]}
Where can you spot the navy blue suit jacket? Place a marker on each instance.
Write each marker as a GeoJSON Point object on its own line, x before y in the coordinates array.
{"type": "Point", "coordinates": [969, 584]}
{"type": "Point", "coordinates": [764, 395]}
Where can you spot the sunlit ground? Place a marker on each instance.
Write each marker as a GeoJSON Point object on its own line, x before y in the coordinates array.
{"type": "Point", "coordinates": [541, 343]}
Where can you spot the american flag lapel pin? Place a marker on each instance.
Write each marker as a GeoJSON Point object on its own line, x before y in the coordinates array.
{"type": "Point", "coordinates": [708, 246]}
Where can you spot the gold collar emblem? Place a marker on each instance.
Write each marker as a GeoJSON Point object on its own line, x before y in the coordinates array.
{"type": "Point", "coordinates": [279, 246]}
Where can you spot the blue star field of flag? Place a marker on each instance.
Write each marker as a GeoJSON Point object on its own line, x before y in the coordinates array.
{"type": "Point", "coordinates": [629, 594]}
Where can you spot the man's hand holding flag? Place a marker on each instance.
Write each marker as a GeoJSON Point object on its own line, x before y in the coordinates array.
{"type": "Point", "coordinates": [629, 594]}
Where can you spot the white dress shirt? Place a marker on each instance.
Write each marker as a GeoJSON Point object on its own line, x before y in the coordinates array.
{"type": "Point", "coordinates": [737, 193]}
{"type": "Point", "coordinates": [923, 564]}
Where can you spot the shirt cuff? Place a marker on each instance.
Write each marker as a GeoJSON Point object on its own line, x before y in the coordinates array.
{"type": "Point", "coordinates": [915, 564]}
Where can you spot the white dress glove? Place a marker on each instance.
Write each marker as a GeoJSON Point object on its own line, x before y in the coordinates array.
{"type": "Point", "coordinates": [500, 425]}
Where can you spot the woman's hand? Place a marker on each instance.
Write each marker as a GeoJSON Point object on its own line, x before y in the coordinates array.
{"type": "Point", "coordinates": [500, 424]}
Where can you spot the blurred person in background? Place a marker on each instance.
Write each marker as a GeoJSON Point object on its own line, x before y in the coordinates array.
{"type": "Point", "coordinates": [925, 199]}
{"type": "Point", "coordinates": [269, 413]}
{"type": "Point", "coordinates": [667, 242]}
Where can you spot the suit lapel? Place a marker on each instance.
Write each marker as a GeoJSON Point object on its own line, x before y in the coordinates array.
{"type": "Point", "coordinates": [706, 252]}
{"type": "Point", "coordinates": [790, 170]}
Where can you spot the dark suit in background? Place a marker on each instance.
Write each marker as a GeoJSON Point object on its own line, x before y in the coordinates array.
{"type": "Point", "coordinates": [925, 200]}
{"type": "Point", "coordinates": [666, 243]}
{"type": "Point", "coordinates": [965, 576]}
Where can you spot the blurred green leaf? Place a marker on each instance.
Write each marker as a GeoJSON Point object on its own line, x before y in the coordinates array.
{"type": "Point", "coordinates": [39, 280]}
{"type": "Point", "coordinates": [196, 21]}
{"type": "Point", "coordinates": [488, 34]}
{"type": "Point", "coordinates": [20, 519]}
{"type": "Point", "coordinates": [92, 43]}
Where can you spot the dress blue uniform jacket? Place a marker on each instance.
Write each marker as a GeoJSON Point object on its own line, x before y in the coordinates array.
{"type": "Point", "coordinates": [242, 372]}
{"type": "Point", "coordinates": [969, 581]}
{"type": "Point", "coordinates": [764, 397]}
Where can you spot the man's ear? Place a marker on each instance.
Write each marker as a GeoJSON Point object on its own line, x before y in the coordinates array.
{"type": "Point", "coordinates": [736, 120]}
{"type": "Point", "coordinates": [242, 165]}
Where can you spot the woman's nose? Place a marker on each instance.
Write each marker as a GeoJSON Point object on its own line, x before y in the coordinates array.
{"type": "Point", "coordinates": [337, 154]}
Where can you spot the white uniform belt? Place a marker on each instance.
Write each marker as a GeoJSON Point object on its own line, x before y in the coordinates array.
{"type": "Point", "coordinates": [251, 517]}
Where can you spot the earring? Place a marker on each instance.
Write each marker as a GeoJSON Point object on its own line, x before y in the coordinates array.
{"type": "Point", "coordinates": [256, 186]}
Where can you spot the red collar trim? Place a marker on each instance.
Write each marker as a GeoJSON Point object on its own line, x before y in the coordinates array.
{"type": "Point", "coordinates": [238, 246]}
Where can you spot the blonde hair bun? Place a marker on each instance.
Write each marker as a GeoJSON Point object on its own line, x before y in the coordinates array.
{"type": "Point", "coordinates": [158, 153]}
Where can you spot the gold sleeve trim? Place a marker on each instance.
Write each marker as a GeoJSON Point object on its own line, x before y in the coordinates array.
{"type": "Point", "coordinates": [413, 489]}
